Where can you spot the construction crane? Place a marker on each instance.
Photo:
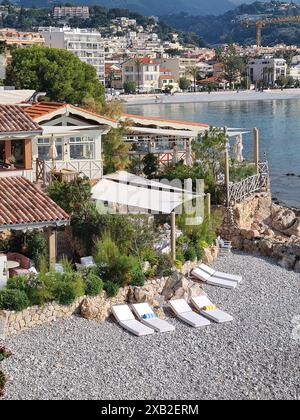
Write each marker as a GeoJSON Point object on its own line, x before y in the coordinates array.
{"type": "Point", "coordinates": [270, 21]}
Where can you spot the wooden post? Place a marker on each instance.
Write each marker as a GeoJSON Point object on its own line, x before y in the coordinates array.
{"type": "Point", "coordinates": [208, 200]}
{"type": "Point", "coordinates": [173, 236]}
{"type": "Point", "coordinates": [256, 149]}
{"type": "Point", "coordinates": [52, 247]}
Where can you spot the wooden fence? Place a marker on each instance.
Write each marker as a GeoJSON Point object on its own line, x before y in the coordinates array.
{"type": "Point", "coordinates": [239, 191]}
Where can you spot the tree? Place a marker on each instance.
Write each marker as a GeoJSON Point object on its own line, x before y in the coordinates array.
{"type": "Point", "coordinates": [110, 78]}
{"type": "Point", "coordinates": [233, 64]}
{"type": "Point", "coordinates": [184, 83]}
{"type": "Point", "coordinates": [150, 163]}
{"type": "Point", "coordinates": [193, 71]}
{"type": "Point", "coordinates": [112, 109]}
{"type": "Point", "coordinates": [137, 63]}
{"type": "Point", "coordinates": [57, 72]}
{"type": "Point", "coordinates": [129, 88]}
{"type": "Point", "coordinates": [209, 149]}
{"type": "Point", "coordinates": [115, 150]}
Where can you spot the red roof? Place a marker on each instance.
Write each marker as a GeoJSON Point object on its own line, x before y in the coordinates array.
{"type": "Point", "coordinates": [147, 60]}
{"type": "Point", "coordinates": [164, 120]}
{"type": "Point", "coordinates": [22, 203]}
{"type": "Point", "coordinates": [39, 109]}
{"type": "Point", "coordinates": [13, 119]}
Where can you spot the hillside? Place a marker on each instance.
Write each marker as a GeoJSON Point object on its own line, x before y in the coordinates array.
{"type": "Point", "coordinates": [153, 7]}
{"type": "Point", "coordinates": [228, 27]}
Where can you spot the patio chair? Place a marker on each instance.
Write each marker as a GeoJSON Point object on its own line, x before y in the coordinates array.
{"type": "Point", "coordinates": [24, 264]}
{"type": "Point", "coordinates": [210, 311]}
{"type": "Point", "coordinates": [202, 275]}
{"type": "Point", "coordinates": [87, 261]}
{"type": "Point", "coordinates": [225, 247]}
{"type": "Point", "coordinates": [185, 313]}
{"type": "Point", "coordinates": [3, 270]}
{"type": "Point", "coordinates": [220, 274]}
{"type": "Point", "coordinates": [146, 315]}
{"type": "Point", "coordinates": [126, 319]}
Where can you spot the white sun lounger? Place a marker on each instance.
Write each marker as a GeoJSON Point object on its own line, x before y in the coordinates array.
{"type": "Point", "coordinates": [202, 275]}
{"type": "Point", "coordinates": [184, 312]}
{"type": "Point", "coordinates": [216, 315]}
{"type": "Point", "coordinates": [126, 319]}
{"type": "Point", "coordinates": [220, 274]}
{"type": "Point", "coordinates": [143, 309]}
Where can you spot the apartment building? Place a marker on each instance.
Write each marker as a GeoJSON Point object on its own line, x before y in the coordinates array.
{"type": "Point", "coordinates": [145, 72]}
{"type": "Point", "coordinates": [267, 69]}
{"type": "Point", "coordinates": [86, 44]}
{"type": "Point", "coordinates": [82, 12]}
{"type": "Point", "coordinates": [20, 39]}
{"type": "Point", "coordinates": [179, 66]}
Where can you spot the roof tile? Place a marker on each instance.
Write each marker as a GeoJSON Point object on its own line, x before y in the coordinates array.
{"type": "Point", "coordinates": [14, 119]}
{"type": "Point", "coordinates": [22, 203]}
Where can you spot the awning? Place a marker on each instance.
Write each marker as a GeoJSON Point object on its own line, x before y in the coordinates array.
{"type": "Point", "coordinates": [164, 132]}
{"type": "Point", "coordinates": [24, 206]}
{"type": "Point", "coordinates": [127, 178]}
{"type": "Point", "coordinates": [140, 196]}
{"type": "Point", "coordinates": [66, 130]}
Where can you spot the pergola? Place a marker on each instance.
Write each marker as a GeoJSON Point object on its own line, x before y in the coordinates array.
{"type": "Point", "coordinates": [23, 206]}
{"type": "Point", "coordinates": [141, 195]}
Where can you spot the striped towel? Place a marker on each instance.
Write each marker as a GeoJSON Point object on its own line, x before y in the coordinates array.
{"type": "Point", "coordinates": [149, 316]}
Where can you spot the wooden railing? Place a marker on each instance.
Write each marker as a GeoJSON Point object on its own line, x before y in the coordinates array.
{"type": "Point", "coordinates": [239, 191]}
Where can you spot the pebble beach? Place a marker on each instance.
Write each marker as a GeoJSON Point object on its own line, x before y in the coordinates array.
{"type": "Point", "coordinates": [255, 357]}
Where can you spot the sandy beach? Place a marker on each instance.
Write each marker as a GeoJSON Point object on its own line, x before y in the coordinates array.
{"type": "Point", "coordinates": [179, 98]}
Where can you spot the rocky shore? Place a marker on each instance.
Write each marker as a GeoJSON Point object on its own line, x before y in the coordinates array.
{"type": "Point", "coordinates": [258, 225]}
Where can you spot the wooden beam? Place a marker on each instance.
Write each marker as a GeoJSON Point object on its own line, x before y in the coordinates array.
{"type": "Point", "coordinates": [52, 247]}
{"type": "Point", "coordinates": [173, 236]}
{"type": "Point", "coordinates": [256, 149]}
{"type": "Point", "coordinates": [27, 154]}
{"type": "Point", "coordinates": [8, 151]}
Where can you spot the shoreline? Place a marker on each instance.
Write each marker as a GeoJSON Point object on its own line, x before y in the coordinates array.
{"type": "Point", "coordinates": [199, 97]}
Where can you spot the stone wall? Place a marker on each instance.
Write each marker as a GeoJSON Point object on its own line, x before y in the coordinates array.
{"type": "Point", "coordinates": [257, 225]}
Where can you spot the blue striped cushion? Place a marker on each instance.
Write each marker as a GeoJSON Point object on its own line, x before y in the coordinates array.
{"type": "Point", "coordinates": [149, 316]}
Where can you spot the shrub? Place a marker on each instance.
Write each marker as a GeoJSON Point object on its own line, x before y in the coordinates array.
{"type": "Point", "coordinates": [165, 265]}
{"type": "Point", "coordinates": [190, 254]}
{"type": "Point", "coordinates": [93, 285]}
{"type": "Point", "coordinates": [66, 294]}
{"type": "Point", "coordinates": [150, 255]}
{"type": "Point", "coordinates": [13, 300]}
{"type": "Point", "coordinates": [37, 247]}
{"type": "Point", "coordinates": [138, 277]}
{"type": "Point", "coordinates": [18, 283]}
{"type": "Point", "coordinates": [111, 288]}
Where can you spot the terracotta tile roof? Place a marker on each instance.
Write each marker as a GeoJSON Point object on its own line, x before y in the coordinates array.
{"type": "Point", "coordinates": [22, 203]}
{"type": "Point", "coordinates": [165, 76]}
{"type": "Point", "coordinates": [13, 119]}
{"type": "Point", "coordinates": [141, 117]}
{"type": "Point", "coordinates": [39, 109]}
{"type": "Point", "coordinates": [145, 60]}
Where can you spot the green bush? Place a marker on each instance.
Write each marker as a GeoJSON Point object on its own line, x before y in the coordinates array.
{"type": "Point", "coordinates": [165, 265]}
{"type": "Point", "coordinates": [190, 254]}
{"type": "Point", "coordinates": [111, 288]}
{"type": "Point", "coordinates": [68, 287]}
{"type": "Point", "coordinates": [66, 294]}
{"type": "Point", "coordinates": [18, 283]}
{"type": "Point", "coordinates": [93, 285]}
{"type": "Point", "coordinates": [138, 277]}
{"type": "Point", "coordinates": [13, 300]}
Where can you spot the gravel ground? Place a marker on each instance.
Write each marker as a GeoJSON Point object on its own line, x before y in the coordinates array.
{"type": "Point", "coordinates": [253, 358]}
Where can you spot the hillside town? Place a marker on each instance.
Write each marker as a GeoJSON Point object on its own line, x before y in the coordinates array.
{"type": "Point", "coordinates": [131, 58]}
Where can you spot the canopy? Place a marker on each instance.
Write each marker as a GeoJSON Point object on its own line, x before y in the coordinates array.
{"type": "Point", "coordinates": [141, 197]}
{"type": "Point", "coordinates": [164, 132]}
{"type": "Point", "coordinates": [65, 130]}
{"type": "Point", "coordinates": [126, 177]}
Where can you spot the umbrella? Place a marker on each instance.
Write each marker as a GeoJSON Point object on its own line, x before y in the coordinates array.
{"type": "Point", "coordinates": [238, 149]}
{"type": "Point", "coordinates": [53, 151]}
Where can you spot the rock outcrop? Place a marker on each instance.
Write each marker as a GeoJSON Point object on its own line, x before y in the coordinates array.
{"type": "Point", "coordinates": [259, 226]}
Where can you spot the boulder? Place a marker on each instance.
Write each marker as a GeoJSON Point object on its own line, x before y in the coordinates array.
{"type": "Point", "coordinates": [179, 287]}
{"type": "Point", "coordinates": [250, 234]}
{"type": "Point", "coordinates": [288, 262]}
{"type": "Point", "coordinates": [283, 219]}
{"type": "Point", "coordinates": [297, 267]}
{"type": "Point", "coordinates": [95, 309]}
{"type": "Point", "coordinates": [266, 248]}
{"type": "Point", "coordinates": [294, 230]}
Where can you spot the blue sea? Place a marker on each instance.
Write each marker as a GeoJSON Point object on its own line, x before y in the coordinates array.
{"type": "Point", "coordinates": [277, 120]}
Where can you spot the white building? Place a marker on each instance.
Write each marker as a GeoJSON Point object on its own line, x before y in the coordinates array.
{"type": "Point", "coordinates": [82, 12]}
{"type": "Point", "coordinates": [143, 71]}
{"type": "Point", "coordinates": [267, 69]}
{"type": "Point", "coordinates": [87, 45]}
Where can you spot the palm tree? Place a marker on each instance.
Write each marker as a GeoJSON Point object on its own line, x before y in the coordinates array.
{"type": "Point", "coordinates": [137, 64]}
{"type": "Point", "coordinates": [193, 71]}
{"type": "Point", "coordinates": [110, 77]}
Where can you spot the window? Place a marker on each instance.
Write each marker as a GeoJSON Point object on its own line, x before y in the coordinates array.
{"type": "Point", "coordinates": [44, 146]}
{"type": "Point", "coordinates": [82, 147]}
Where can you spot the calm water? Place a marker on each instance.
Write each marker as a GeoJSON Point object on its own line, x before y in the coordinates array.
{"type": "Point", "coordinates": [279, 124]}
